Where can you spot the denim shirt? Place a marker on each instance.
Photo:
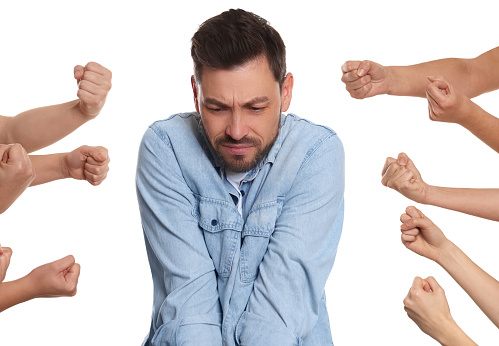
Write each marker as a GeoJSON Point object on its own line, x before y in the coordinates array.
{"type": "Point", "coordinates": [222, 278]}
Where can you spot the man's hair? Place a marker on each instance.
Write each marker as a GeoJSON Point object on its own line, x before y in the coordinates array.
{"type": "Point", "coordinates": [235, 37]}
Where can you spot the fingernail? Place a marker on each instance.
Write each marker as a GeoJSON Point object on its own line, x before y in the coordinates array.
{"type": "Point", "coordinates": [361, 72]}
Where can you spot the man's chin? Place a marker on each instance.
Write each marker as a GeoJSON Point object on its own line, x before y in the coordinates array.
{"type": "Point", "coordinates": [239, 163]}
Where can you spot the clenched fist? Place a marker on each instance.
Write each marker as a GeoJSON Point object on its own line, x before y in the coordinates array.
{"type": "Point", "coordinates": [94, 83]}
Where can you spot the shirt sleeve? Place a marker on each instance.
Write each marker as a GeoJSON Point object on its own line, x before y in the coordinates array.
{"type": "Point", "coordinates": [186, 308]}
{"type": "Point", "coordinates": [285, 303]}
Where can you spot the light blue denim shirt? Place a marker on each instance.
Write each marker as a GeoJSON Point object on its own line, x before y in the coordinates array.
{"type": "Point", "coordinates": [225, 279]}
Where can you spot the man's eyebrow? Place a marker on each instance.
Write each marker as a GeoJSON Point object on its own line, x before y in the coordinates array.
{"type": "Point", "coordinates": [214, 102]}
{"type": "Point", "coordinates": [256, 100]}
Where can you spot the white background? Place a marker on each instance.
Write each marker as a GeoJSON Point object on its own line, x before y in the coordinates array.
{"type": "Point", "coordinates": [147, 46]}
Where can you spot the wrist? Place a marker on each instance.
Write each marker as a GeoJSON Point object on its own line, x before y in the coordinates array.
{"type": "Point", "coordinates": [29, 287]}
{"type": "Point", "coordinates": [64, 166]}
{"type": "Point", "coordinates": [390, 81]}
{"type": "Point", "coordinates": [472, 115]}
{"type": "Point", "coordinates": [446, 254]}
{"type": "Point", "coordinates": [79, 111]}
{"type": "Point", "coordinates": [453, 335]}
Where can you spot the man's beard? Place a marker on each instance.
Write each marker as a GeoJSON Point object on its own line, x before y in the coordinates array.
{"type": "Point", "coordinates": [238, 164]}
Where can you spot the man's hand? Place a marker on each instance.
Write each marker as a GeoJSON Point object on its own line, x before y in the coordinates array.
{"type": "Point", "coordinates": [5, 254]}
{"type": "Point", "coordinates": [56, 279]}
{"type": "Point", "coordinates": [94, 83]}
{"type": "Point", "coordinates": [16, 174]}
{"type": "Point", "coordinates": [402, 175]}
{"type": "Point", "coordinates": [447, 104]}
{"type": "Point", "coordinates": [427, 306]}
{"type": "Point", "coordinates": [87, 163]}
{"type": "Point", "coordinates": [421, 235]}
{"type": "Point", "coordinates": [364, 78]}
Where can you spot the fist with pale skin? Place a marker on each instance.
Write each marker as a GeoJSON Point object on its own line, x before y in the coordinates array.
{"type": "Point", "coordinates": [94, 83]}
{"type": "Point", "coordinates": [402, 175]}
{"type": "Point", "coordinates": [447, 104]}
{"type": "Point", "coordinates": [55, 279]}
{"type": "Point", "coordinates": [87, 163]}
{"type": "Point", "coordinates": [16, 174]}
{"type": "Point", "coordinates": [364, 78]}
{"type": "Point", "coordinates": [427, 306]}
{"type": "Point", "coordinates": [421, 235]}
{"type": "Point", "coordinates": [5, 255]}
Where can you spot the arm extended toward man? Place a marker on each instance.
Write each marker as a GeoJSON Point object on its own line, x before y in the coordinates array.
{"type": "Point", "coordinates": [37, 128]}
{"type": "Point", "coordinates": [402, 175]}
{"type": "Point", "coordinates": [422, 236]}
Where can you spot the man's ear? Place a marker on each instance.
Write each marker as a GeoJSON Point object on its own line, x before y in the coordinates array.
{"type": "Point", "coordinates": [195, 92]}
{"type": "Point", "coordinates": [286, 92]}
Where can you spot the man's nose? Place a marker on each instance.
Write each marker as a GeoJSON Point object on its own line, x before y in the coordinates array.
{"type": "Point", "coordinates": [237, 127]}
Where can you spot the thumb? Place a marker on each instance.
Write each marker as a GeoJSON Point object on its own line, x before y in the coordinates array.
{"type": "Point", "coordinates": [430, 280]}
{"type": "Point", "coordinates": [426, 286]}
{"type": "Point", "coordinates": [364, 67]}
{"type": "Point", "coordinates": [64, 263]}
{"type": "Point", "coordinates": [78, 72]}
{"type": "Point", "coordinates": [403, 159]}
{"type": "Point", "coordinates": [97, 153]}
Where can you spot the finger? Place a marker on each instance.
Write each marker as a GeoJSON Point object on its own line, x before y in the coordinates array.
{"type": "Point", "coordinates": [361, 93]}
{"type": "Point", "coordinates": [412, 232]}
{"type": "Point", "coordinates": [359, 83]}
{"type": "Point", "coordinates": [349, 77]}
{"type": "Point", "coordinates": [426, 286]}
{"type": "Point", "coordinates": [435, 94]}
{"type": "Point", "coordinates": [92, 88]}
{"type": "Point", "coordinates": [404, 217]}
{"type": "Point", "coordinates": [416, 222]}
{"type": "Point", "coordinates": [417, 283]}
{"type": "Point", "coordinates": [74, 271]}
{"type": "Point", "coordinates": [350, 65]}
{"type": "Point", "coordinates": [6, 251]}
{"type": "Point", "coordinates": [17, 154]}
{"type": "Point", "coordinates": [394, 176]}
{"type": "Point", "coordinates": [78, 72]}
{"type": "Point", "coordinates": [413, 212]}
{"type": "Point", "coordinates": [407, 239]}
{"type": "Point", "coordinates": [4, 152]}
{"type": "Point", "coordinates": [433, 284]}
{"type": "Point", "coordinates": [64, 263]}
{"type": "Point", "coordinates": [95, 179]}
{"type": "Point", "coordinates": [98, 68]}
{"type": "Point", "coordinates": [94, 77]}
{"type": "Point", "coordinates": [365, 67]}
{"type": "Point", "coordinates": [388, 162]}
{"type": "Point", "coordinates": [98, 154]}
{"type": "Point", "coordinates": [402, 159]}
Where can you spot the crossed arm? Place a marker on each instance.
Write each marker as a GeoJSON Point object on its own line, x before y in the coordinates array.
{"type": "Point", "coordinates": [421, 236]}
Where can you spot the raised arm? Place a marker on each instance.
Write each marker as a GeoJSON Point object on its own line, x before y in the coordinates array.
{"type": "Point", "coordinates": [40, 127]}
{"type": "Point", "coordinates": [472, 76]}
{"type": "Point", "coordinates": [402, 175]}
{"type": "Point", "coordinates": [55, 279]}
{"type": "Point", "coordinates": [419, 234]}
{"type": "Point", "coordinates": [288, 294]}
{"type": "Point", "coordinates": [186, 306]}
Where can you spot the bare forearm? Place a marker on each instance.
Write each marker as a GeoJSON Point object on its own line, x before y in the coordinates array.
{"type": "Point", "coordinates": [480, 286]}
{"type": "Point", "coordinates": [412, 80]}
{"type": "Point", "coordinates": [454, 336]}
{"type": "Point", "coordinates": [40, 127]}
{"type": "Point", "coordinates": [483, 125]}
{"type": "Point", "coordinates": [48, 168]}
{"type": "Point", "coordinates": [483, 203]}
{"type": "Point", "coordinates": [15, 292]}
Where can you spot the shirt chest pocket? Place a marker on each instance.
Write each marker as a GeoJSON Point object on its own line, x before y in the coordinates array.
{"type": "Point", "coordinates": [221, 225]}
{"type": "Point", "coordinates": [256, 233]}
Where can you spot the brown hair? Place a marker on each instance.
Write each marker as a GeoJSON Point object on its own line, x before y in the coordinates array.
{"type": "Point", "coordinates": [235, 37]}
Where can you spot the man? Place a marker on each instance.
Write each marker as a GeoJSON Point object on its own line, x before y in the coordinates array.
{"type": "Point", "coordinates": [241, 206]}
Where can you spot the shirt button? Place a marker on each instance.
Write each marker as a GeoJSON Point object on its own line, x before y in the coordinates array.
{"type": "Point", "coordinates": [214, 222]}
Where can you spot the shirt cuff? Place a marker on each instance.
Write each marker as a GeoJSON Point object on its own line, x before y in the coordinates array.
{"type": "Point", "coordinates": [193, 330]}
{"type": "Point", "coordinates": [255, 330]}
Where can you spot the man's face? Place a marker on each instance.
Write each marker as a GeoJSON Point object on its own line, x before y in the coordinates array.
{"type": "Point", "coordinates": [240, 109]}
